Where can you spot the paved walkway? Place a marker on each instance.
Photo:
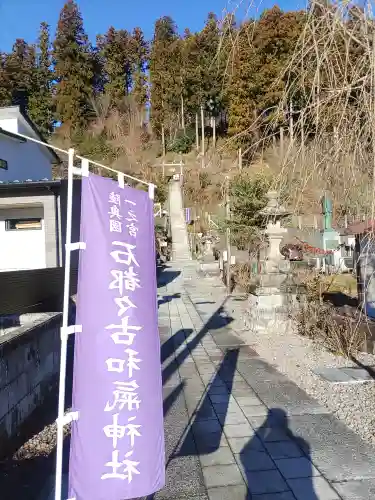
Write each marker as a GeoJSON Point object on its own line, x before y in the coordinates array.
{"type": "Point", "coordinates": [235, 427]}
{"type": "Point", "coordinates": [180, 245]}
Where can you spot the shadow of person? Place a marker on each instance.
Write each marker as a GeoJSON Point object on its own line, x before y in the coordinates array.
{"type": "Point", "coordinates": [276, 461]}
{"type": "Point", "coordinates": [204, 434]}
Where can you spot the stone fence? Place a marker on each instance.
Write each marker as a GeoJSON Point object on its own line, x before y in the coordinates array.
{"type": "Point", "coordinates": [29, 367]}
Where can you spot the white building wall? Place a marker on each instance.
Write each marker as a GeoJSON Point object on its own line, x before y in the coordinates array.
{"type": "Point", "coordinates": [9, 124]}
{"type": "Point", "coordinates": [26, 160]}
{"type": "Point", "coordinates": [22, 249]}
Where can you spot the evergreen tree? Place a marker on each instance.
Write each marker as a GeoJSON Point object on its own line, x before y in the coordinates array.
{"type": "Point", "coordinates": [40, 101]}
{"type": "Point", "coordinates": [116, 52]}
{"type": "Point", "coordinates": [5, 89]}
{"type": "Point", "coordinates": [140, 59]}
{"type": "Point", "coordinates": [209, 59]}
{"type": "Point", "coordinates": [262, 52]}
{"type": "Point", "coordinates": [20, 68]}
{"type": "Point", "coordinates": [203, 69]}
{"type": "Point", "coordinates": [190, 73]}
{"type": "Point", "coordinates": [73, 64]}
{"type": "Point", "coordinates": [165, 73]}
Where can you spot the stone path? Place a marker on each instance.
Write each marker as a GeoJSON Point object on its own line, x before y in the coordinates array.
{"type": "Point", "coordinates": [235, 427]}
{"type": "Point", "coordinates": [180, 242]}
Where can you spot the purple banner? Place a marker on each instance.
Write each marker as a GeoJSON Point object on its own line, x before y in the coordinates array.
{"type": "Point", "coordinates": [187, 215]}
{"type": "Point", "coordinates": [117, 444]}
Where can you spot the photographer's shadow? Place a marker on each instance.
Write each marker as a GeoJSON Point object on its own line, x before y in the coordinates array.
{"type": "Point", "coordinates": [285, 469]}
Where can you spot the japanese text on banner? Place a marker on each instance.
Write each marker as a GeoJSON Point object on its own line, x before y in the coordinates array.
{"type": "Point", "coordinates": [124, 401]}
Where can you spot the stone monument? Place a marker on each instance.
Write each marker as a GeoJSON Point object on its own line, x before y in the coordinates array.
{"type": "Point", "coordinates": [274, 292]}
{"type": "Point", "coordinates": [330, 237]}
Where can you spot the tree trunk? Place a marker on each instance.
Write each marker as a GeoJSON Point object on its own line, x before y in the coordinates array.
{"type": "Point", "coordinates": [197, 131]}
{"type": "Point", "coordinates": [202, 121]}
{"type": "Point", "coordinates": [182, 114]}
{"type": "Point", "coordinates": [163, 139]}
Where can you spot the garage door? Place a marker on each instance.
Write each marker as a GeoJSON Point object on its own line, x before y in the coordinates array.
{"type": "Point", "coordinates": [22, 239]}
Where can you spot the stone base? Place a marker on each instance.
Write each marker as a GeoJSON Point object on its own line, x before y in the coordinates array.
{"type": "Point", "coordinates": [271, 312]}
{"type": "Point", "coordinates": [210, 268]}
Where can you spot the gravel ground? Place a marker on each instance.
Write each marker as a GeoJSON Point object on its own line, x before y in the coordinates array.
{"type": "Point", "coordinates": [23, 473]}
{"type": "Point", "coordinates": [296, 357]}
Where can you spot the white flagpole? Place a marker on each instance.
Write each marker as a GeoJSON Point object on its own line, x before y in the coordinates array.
{"type": "Point", "coordinates": [64, 336]}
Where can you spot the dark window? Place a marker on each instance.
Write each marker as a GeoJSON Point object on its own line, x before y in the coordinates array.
{"type": "Point", "coordinates": [4, 164]}
{"type": "Point", "coordinates": [22, 224]}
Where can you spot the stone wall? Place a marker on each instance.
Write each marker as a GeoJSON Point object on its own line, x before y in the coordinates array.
{"type": "Point", "coordinates": [29, 367]}
{"type": "Point", "coordinates": [34, 290]}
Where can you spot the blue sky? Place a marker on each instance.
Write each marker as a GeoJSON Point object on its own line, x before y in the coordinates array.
{"type": "Point", "coordinates": [21, 18]}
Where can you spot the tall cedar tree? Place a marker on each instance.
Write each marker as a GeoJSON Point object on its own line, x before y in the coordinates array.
{"type": "Point", "coordinates": [209, 62]}
{"type": "Point", "coordinates": [20, 69]}
{"type": "Point", "coordinates": [140, 66]}
{"type": "Point", "coordinates": [165, 73]}
{"type": "Point", "coordinates": [190, 73]}
{"type": "Point", "coordinates": [202, 68]}
{"type": "Point", "coordinates": [73, 64]}
{"type": "Point", "coordinates": [40, 101]}
{"type": "Point", "coordinates": [115, 48]}
{"type": "Point", "coordinates": [262, 52]}
{"type": "Point", "coordinates": [5, 90]}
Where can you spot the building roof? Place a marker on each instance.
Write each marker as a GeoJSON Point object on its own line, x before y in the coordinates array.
{"type": "Point", "coordinates": [360, 227]}
{"type": "Point", "coordinates": [11, 135]}
{"type": "Point", "coordinates": [20, 113]}
{"type": "Point", "coordinates": [42, 185]}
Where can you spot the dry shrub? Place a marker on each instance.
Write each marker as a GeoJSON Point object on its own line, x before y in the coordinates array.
{"type": "Point", "coordinates": [313, 284]}
{"type": "Point", "coordinates": [242, 274]}
{"type": "Point", "coordinates": [306, 171]}
{"type": "Point", "coordinates": [203, 187]}
{"type": "Point", "coordinates": [320, 322]}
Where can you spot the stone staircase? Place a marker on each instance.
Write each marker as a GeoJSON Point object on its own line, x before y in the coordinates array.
{"type": "Point", "coordinates": [180, 240]}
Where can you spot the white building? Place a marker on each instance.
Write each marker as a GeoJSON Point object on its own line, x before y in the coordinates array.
{"type": "Point", "coordinates": [28, 225]}
{"type": "Point", "coordinates": [22, 160]}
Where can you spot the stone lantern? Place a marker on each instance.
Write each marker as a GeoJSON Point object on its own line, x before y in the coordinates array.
{"type": "Point", "coordinates": [274, 213]}
{"type": "Point", "coordinates": [274, 291]}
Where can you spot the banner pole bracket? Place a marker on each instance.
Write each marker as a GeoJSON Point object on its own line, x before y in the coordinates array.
{"type": "Point", "coordinates": [151, 191]}
{"type": "Point", "coordinates": [121, 180]}
{"type": "Point", "coordinates": [79, 245]}
{"type": "Point", "coordinates": [83, 171]}
{"type": "Point", "coordinates": [65, 331]}
{"type": "Point", "coordinates": [72, 416]}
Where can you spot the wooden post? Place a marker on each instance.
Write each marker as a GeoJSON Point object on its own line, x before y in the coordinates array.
{"type": "Point", "coordinates": [335, 140]}
{"type": "Point", "coordinates": [181, 165]}
{"type": "Point", "coordinates": [163, 140]}
{"type": "Point", "coordinates": [202, 145]}
{"type": "Point", "coordinates": [182, 113]}
{"type": "Point", "coordinates": [213, 124]}
{"type": "Point", "coordinates": [302, 136]}
{"type": "Point", "coordinates": [202, 123]}
{"type": "Point", "coordinates": [282, 143]}
{"type": "Point", "coordinates": [315, 222]}
{"type": "Point", "coordinates": [240, 159]}
{"type": "Point", "coordinates": [291, 125]}
{"type": "Point", "coordinates": [274, 145]}
{"type": "Point", "coordinates": [256, 130]}
{"type": "Point", "coordinates": [227, 212]}
{"type": "Point", "coordinates": [197, 132]}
